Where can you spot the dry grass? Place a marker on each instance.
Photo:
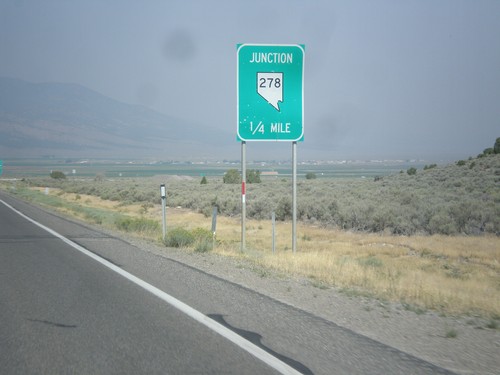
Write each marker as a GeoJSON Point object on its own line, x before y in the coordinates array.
{"type": "Point", "coordinates": [451, 274]}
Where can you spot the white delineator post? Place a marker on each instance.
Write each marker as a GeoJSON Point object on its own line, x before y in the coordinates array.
{"type": "Point", "coordinates": [163, 194]}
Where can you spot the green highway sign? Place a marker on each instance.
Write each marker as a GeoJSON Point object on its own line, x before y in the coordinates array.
{"type": "Point", "coordinates": [270, 89]}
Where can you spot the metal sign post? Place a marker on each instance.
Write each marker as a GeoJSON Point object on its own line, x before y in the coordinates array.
{"type": "Point", "coordinates": [294, 197]}
{"type": "Point", "coordinates": [243, 193]}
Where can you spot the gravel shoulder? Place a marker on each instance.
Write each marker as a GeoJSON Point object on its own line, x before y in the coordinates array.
{"type": "Point", "coordinates": [461, 344]}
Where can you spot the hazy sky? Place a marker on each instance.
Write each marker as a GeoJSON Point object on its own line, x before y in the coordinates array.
{"type": "Point", "coordinates": [383, 79]}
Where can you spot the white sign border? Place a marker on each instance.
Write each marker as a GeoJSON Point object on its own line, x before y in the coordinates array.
{"type": "Point", "coordinates": [239, 137]}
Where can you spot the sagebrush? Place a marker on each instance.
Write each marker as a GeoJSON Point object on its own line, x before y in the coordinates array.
{"type": "Point", "coordinates": [458, 198]}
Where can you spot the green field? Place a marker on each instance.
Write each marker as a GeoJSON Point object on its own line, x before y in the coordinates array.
{"type": "Point", "coordinates": [25, 168]}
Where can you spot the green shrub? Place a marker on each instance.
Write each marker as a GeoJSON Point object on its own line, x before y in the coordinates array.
{"type": "Point", "coordinates": [203, 181]}
{"type": "Point", "coordinates": [200, 238]}
{"type": "Point", "coordinates": [93, 216]}
{"type": "Point", "coordinates": [253, 176]}
{"type": "Point", "coordinates": [201, 234]}
{"type": "Point", "coordinates": [496, 147]}
{"type": "Point", "coordinates": [58, 175]}
{"type": "Point", "coordinates": [441, 223]}
{"type": "Point", "coordinates": [179, 237]}
{"type": "Point", "coordinates": [488, 151]}
{"type": "Point", "coordinates": [259, 208]}
{"type": "Point", "coordinates": [232, 176]}
{"type": "Point", "coordinates": [370, 261]}
{"type": "Point", "coordinates": [411, 171]}
{"type": "Point", "coordinates": [129, 224]}
{"type": "Point", "coordinates": [284, 209]}
{"type": "Point", "coordinates": [461, 163]}
{"type": "Point", "coordinates": [431, 166]}
{"type": "Point", "coordinates": [451, 333]}
{"type": "Point", "coordinates": [310, 176]}
{"type": "Point", "coordinates": [203, 246]}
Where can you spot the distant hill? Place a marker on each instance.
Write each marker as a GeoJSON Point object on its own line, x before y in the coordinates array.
{"type": "Point", "coordinates": [70, 120]}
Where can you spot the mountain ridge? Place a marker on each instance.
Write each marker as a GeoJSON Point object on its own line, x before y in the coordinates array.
{"type": "Point", "coordinates": [70, 120]}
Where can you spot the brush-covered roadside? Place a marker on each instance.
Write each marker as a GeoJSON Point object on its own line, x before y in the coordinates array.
{"type": "Point", "coordinates": [428, 239]}
{"type": "Point", "coordinates": [449, 274]}
{"type": "Point", "coordinates": [461, 198]}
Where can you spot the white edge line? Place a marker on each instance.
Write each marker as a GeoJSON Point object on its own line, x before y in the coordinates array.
{"type": "Point", "coordinates": [246, 345]}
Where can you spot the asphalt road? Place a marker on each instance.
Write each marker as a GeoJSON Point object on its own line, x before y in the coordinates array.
{"type": "Point", "coordinates": [62, 311]}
